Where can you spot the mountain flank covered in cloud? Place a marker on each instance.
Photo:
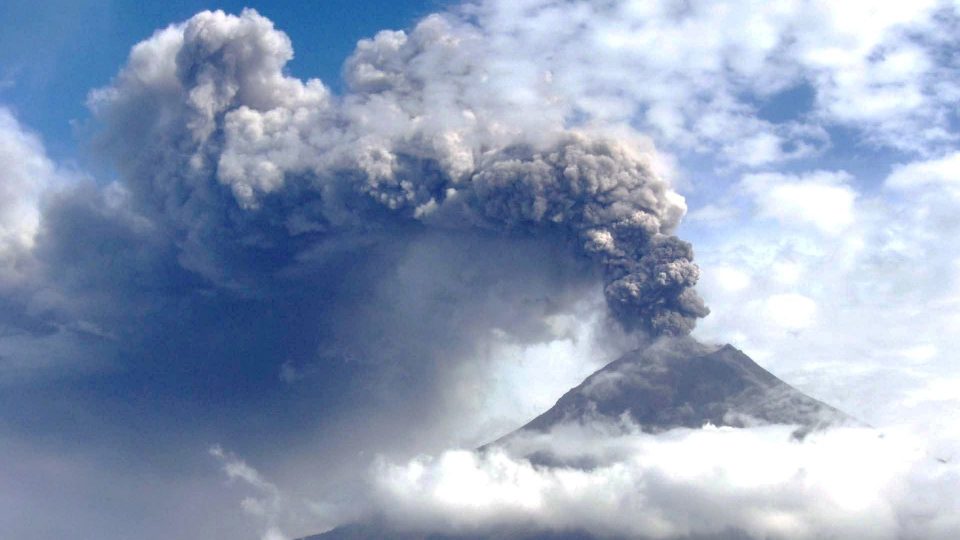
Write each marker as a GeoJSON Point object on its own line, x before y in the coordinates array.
{"type": "Point", "coordinates": [674, 384]}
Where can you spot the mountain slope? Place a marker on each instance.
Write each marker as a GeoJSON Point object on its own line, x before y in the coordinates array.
{"type": "Point", "coordinates": [682, 383]}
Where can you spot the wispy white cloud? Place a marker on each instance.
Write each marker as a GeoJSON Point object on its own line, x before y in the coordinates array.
{"type": "Point", "coordinates": [268, 503]}
{"type": "Point", "coordinates": [694, 74]}
{"type": "Point", "coordinates": [859, 279]}
{"type": "Point", "coordinates": [824, 200]}
{"type": "Point", "coordinates": [938, 174]}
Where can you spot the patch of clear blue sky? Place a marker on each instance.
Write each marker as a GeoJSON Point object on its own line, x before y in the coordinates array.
{"type": "Point", "coordinates": [788, 104]}
{"type": "Point", "coordinates": [53, 52]}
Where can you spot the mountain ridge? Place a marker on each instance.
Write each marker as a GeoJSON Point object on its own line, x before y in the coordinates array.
{"type": "Point", "coordinates": [683, 383]}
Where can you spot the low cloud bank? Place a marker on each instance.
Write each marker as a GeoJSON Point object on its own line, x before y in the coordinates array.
{"type": "Point", "coordinates": [757, 482]}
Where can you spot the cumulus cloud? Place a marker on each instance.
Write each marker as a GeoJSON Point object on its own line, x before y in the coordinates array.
{"type": "Point", "coordinates": [699, 75]}
{"type": "Point", "coordinates": [942, 173]}
{"type": "Point", "coordinates": [790, 311]}
{"type": "Point", "coordinates": [822, 199]}
{"type": "Point", "coordinates": [712, 482]}
{"type": "Point", "coordinates": [850, 278]}
{"type": "Point", "coordinates": [26, 174]}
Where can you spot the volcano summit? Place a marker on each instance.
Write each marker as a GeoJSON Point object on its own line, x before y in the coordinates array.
{"type": "Point", "coordinates": [683, 383]}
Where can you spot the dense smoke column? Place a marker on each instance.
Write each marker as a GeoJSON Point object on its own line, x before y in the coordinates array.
{"type": "Point", "coordinates": [654, 288]}
{"type": "Point", "coordinates": [251, 165]}
{"type": "Point", "coordinates": [619, 212]}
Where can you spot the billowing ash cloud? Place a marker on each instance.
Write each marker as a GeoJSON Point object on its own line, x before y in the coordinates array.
{"type": "Point", "coordinates": [244, 162]}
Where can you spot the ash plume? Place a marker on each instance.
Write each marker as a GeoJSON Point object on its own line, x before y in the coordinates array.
{"type": "Point", "coordinates": [230, 142]}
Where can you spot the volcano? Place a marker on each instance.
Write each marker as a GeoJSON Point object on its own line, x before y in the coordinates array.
{"type": "Point", "coordinates": [674, 383]}
{"type": "Point", "coordinates": [683, 383]}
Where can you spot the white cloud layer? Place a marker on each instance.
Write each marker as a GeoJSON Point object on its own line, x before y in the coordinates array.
{"type": "Point", "coordinates": [846, 483]}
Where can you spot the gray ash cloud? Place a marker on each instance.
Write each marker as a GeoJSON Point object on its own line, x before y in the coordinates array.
{"type": "Point", "coordinates": [251, 168]}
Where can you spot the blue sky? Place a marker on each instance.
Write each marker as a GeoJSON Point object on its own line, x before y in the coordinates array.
{"type": "Point", "coordinates": [249, 296]}
{"type": "Point", "coordinates": [54, 53]}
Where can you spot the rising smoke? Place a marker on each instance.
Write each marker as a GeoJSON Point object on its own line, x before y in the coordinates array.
{"type": "Point", "coordinates": [412, 144]}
